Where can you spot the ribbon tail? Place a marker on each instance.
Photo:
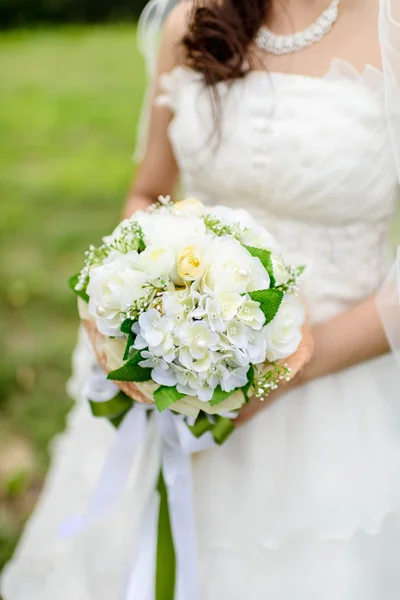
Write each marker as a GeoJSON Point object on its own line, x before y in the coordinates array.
{"type": "Point", "coordinates": [177, 469]}
{"type": "Point", "coordinates": [114, 473]}
{"type": "Point", "coordinates": [141, 584]}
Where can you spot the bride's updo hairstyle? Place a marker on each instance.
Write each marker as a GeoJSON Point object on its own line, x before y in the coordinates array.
{"type": "Point", "coordinates": [219, 35]}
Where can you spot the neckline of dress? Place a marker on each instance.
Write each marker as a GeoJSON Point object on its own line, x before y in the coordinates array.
{"type": "Point", "coordinates": [337, 69]}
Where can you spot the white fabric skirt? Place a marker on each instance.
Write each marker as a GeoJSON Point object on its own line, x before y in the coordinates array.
{"type": "Point", "coordinates": [302, 503]}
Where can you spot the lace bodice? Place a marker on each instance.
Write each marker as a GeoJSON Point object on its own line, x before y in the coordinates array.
{"type": "Point", "coordinates": [309, 157]}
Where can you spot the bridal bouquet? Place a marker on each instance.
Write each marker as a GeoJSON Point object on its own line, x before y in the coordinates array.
{"type": "Point", "coordinates": [195, 307]}
{"type": "Point", "coordinates": [192, 309]}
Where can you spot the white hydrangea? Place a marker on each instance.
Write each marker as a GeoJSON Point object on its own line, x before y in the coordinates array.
{"type": "Point", "coordinates": [162, 372]}
{"type": "Point", "coordinates": [155, 332]}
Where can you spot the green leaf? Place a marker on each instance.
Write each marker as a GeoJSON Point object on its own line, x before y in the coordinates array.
{"type": "Point", "coordinates": [250, 379]}
{"type": "Point", "coordinates": [72, 281]}
{"type": "Point", "coordinates": [219, 395]}
{"type": "Point", "coordinates": [165, 396]}
{"type": "Point", "coordinates": [300, 270]}
{"type": "Point", "coordinates": [126, 326]}
{"type": "Point", "coordinates": [129, 344]}
{"type": "Point", "coordinates": [269, 300]}
{"type": "Point", "coordinates": [113, 408]}
{"type": "Point", "coordinates": [265, 259]}
{"type": "Point", "coordinates": [131, 371]}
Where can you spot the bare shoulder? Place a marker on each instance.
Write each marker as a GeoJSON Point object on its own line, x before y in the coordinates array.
{"type": "Point", "coordinates": [174, 30]}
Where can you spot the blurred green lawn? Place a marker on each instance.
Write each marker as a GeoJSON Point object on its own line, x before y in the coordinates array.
{"type": "Point", "coordinates": [69, 102]}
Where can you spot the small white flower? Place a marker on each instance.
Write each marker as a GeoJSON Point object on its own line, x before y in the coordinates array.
{"type": "Point", "coordinates": [251, 313]}
{"type": "Point", "coordinates": [281, 273]}
{"type": "Point", "coordinates": [174, 308]}
{"type": "Point", "coordinates": [256, 347]}
{"type": "Point", "coordinates": [283, 334]}
{"type": "Point", "coordinates": [164, 377]}
{"type": "Point", "coordinates": [198, 338]}
{"type": "Point", "coordinates": [162, 373]}
{"type": "Point", "coordinates": [234, 378]}
{"type": "Point", "coordinates": [195, 386]}
{"type": "Point", "coordinates": [237, 333]}
{"type": "Point", "coordinates": [230, 304]}
{"type": "Point", "coordinates": [156, 333]}
{"type": "Point", "coordinates": [202, 365]}
{"type": "Point", "coordinates": [231, 355]}
{"type": "Point", "coordinates": [209, 308]}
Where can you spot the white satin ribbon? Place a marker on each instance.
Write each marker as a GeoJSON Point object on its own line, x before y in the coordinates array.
{"type": "Point", "coordinates": [114, 474]}
{"type": "Point", "coordinates": [141, 581]}
{"type": "Point", "coordinates": [178, 444]}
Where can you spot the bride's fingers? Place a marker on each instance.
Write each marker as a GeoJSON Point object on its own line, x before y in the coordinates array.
{"type": "Point", "coordinates": [295, 363]}
{"type": "Point", "coordinates": [303, 354]}
{"type": "Point", "coordinates": [255, 405]}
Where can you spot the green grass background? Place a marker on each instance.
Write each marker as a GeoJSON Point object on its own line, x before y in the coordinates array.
{"type": "Point", "coordinates": [69, 101]}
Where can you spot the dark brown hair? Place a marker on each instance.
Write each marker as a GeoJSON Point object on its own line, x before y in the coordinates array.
{"type": "Point", "coordinates": [219, 35]}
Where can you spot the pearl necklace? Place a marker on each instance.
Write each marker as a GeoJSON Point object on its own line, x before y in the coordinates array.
{"type": "Point", "coordinates": [286, 44]}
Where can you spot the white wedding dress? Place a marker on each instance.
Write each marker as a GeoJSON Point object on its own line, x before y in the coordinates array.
{"type": "Point", "coordinates": [302, 503]}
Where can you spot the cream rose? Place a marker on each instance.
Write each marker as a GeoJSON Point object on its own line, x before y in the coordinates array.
{"type": "Point", "coordinates": [191, 263]}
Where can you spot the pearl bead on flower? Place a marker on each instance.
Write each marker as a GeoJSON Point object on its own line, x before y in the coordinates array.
{"type": "Point", "coordinates": [244, 273]}
{"type": "Point", "coordinates": [201, 344]}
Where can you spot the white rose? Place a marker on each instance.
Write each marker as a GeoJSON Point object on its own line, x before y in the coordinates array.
{"type": "Point", "coordinates": [283, 334]}
{"type": "Point", "coordinates": [112, 288]}
{"type": "Point", "coordinates": [157, 261]}
{"type": "Point", "coordinates": [233, 269]}
{"type": "Point", "coordinates": [190, 207]}
{"type": "Point", "coordinates": [231, 216]}
{"type": "Point", "coordinates": [259, 237]}
{"type": "Point", "coordinates": [168, 231]}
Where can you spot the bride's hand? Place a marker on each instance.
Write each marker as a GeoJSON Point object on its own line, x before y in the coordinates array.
{"type": "Point", "coordinates": [296, 364]}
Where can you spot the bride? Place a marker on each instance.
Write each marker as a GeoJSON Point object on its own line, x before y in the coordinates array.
{"type": "Point", "coordinates": [303, 501]}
